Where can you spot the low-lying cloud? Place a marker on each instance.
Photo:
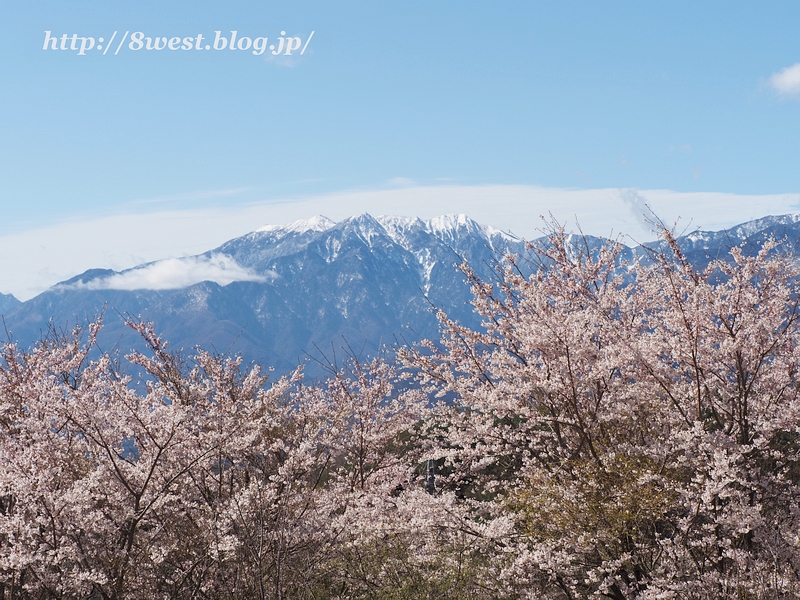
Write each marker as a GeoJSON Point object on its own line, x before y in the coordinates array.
{"type": "Point", "coordinates": [174, 273]}
{"type": "Point", "coordinates": [787, 81]}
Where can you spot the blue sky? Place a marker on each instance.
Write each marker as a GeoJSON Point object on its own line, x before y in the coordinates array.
{"type": "Point", "coordinates": [393, 99]}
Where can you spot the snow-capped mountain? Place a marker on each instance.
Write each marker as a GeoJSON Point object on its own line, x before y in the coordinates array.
{"type": "Point", "coordinates": [282, 292]}
{"type": "Point", "coordinates": [700, 246]}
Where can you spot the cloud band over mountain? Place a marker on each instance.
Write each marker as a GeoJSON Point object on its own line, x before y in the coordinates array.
{"type": "Point", "coordinates": [173, 273]}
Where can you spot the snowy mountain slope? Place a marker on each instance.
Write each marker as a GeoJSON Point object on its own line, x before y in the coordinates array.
{"type": "Point", "coordinates": [364, 281]}
{"type": "Point", "coordinates": [280, 292]}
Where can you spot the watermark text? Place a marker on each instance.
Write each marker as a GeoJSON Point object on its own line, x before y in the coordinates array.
{"type": "Point", "coordinates": [140, 41]}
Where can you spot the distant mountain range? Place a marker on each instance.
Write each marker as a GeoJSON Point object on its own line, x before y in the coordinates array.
{"type": "Point", "coordinates": [279, 294]}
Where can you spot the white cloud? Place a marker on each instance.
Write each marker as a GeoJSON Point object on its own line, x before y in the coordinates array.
{"type": "Point", "coordinates": [33, 260]}
{"type": "Point", "coordinates": [787, 81]}
{"type": "Point", "coordinates": [174, 273]}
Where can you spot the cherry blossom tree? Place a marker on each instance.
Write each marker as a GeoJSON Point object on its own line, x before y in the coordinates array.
{"type": "Point", "coordinates": [114, 490]}
{"type": "Point", "coordinates": [200, 480]}
{"type": "Point", "coordinates": [639, 421]}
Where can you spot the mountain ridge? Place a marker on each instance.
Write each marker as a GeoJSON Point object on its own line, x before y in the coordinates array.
{"type": "Point", "coordinates": [280, 292]}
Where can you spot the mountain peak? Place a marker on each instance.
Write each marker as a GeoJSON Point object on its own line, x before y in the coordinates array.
{"type": "Point", "coordinates": [316, 223]}
{"type": "Point", "coordinates": [449, 228]}
{"type": "Point", "coordinates": [365, 226]}
{"type": "Point", "coordinates": [453, 222]}
{"type": "Point", "coordinates": [7, 302]}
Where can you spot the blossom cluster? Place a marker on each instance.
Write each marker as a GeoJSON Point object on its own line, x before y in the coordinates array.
{"type": "Point", "coordinates": [613, 431]}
